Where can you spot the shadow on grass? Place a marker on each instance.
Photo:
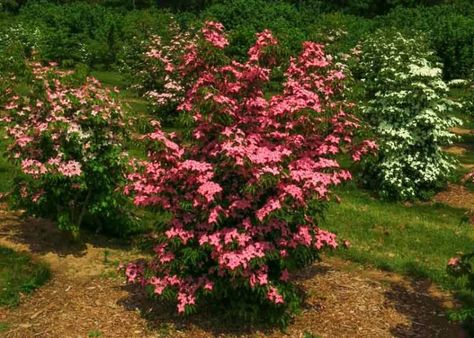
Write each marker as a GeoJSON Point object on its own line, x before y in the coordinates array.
{"type": "Point", "coordinates": [19, 274]}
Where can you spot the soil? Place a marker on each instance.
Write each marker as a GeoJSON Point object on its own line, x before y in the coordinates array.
{"type": "Point", "coordinates": [461, 131]}
{"type": "Point", "coordinates": [458, 149]}
{"type": "Point", "coordinates": [86, 297]}
{"type": "Point", "coordinates": [456, 196]}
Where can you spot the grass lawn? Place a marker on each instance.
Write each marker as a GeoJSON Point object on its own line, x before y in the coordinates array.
{"type": "Point", "coordinates": [108, 78]}
{"type": "Point", "coordinates": [415, 240]}
{"type": "Point", "coordinates": [19, 274]}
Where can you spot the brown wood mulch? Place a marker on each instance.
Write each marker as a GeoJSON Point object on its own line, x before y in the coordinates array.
{"type": "Point", "coordinates": [85, 298]}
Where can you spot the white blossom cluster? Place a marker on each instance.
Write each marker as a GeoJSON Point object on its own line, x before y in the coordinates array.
{"type": "Point", "coordinates": [408, 107]}
{"type": "Point", "coordinates": [29, 37]}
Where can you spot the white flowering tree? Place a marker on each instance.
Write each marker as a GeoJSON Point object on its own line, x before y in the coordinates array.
{"type": "Point", "coordinates": [407, 104]}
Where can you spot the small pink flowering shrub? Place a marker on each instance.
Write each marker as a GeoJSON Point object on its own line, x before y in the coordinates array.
{"type": "Point", "coordinates": [155, 74]}
{"type": "Point", "coordinates": [462, 268]}
{"type": "Point", "coordinates": [67, 139]}
{"type": "Point", "coordinates": [245, 188]}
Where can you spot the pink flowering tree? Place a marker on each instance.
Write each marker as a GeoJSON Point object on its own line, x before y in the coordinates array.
{"type": "Point", "coordinates": [245, 188]}
{"type": "Point", "coordinates": [67, 139]}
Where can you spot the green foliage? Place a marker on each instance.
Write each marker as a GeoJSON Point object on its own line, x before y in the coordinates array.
{"type": "Point", "coordinates": [16, 44]}
{"type": "Point", "coordinates": [186, 5]}
{"type": "Point", "coordinates": [141, 24]}
{"type": "Point", "coordinates": [7, 170]}
{"type": "Point", "coordinates": [19, 274]}
{"type": "Point", "coordinates": [450, 31]}
{"type": "Point", "coordinates": [341, 32]}
{"type": "Point", "coordinates": [366, 8]}
{"type": "Point", "coordinates": [463, 91]}
{"type": "Point", "coordinates": [93, 34]}
{"type": "Point", "coordinates": [76, 32]}
{"type": "Point", "coordinates": [102, 33]}
{"type": "Point", "coordinates": [249, 306]}
{"type": "Point", "coordinates": [11, 6]}
{"type": "Point", "coordinates": [243, 18]}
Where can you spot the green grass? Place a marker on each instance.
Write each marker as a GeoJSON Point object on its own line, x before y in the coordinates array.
{"type": "Point", "coordinates": [466, 116]}
{"type": "Point", "coordinates": [4, 327]}
{"type": "Point", "coordinates": [108, 78]}
{"type": "Point", "coordinates": [19, 274]}
{"type": "Point", "coordinates": [415, 240]}
{"type": "Point", "coordinates": [467, 142]}
{"type": "Point", "coordinates": [94, 333]}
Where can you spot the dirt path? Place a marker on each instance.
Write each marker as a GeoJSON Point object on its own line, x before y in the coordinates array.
{"type": "Point", "coordinates": [85, 297]}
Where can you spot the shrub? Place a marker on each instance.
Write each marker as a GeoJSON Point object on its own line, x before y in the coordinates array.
{"type": "Point", "coordinates": [155, 72]}
{"type": "Point", "coordinates": [462, 268]}
{"type": "Point", "coordinates": [245, 188]}
{"type": "Point", "coordinates": [138, 28]}
{"type": "Point", "coordinates": [11, 6]}
{"type": "Point", "coordinates": [408, 108]}
{"type": "Point", "coordinates": [68, 140]}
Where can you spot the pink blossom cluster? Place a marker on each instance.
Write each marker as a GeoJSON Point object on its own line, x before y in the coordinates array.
{"type": "Point", "coordinates": [241, 190]}
{"type": "Point", "coordinates": [213, 33]}
{"type": "Point", "coordinates": [454, 261]}
{"type": "Point", "coordinates": [468, 178]}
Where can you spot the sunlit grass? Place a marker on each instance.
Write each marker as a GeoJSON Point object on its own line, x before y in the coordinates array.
{"type": "Point", "coordinates": [412, 239]}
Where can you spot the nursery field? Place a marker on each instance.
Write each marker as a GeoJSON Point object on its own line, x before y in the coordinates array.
{"type": "Point", "coordinates": [385, 284]}
{"type": "Point", "coordinates": [241, 168]}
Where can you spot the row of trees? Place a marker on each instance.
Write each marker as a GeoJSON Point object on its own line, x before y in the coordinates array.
{"type": "Point", "coordinates": [357, 7]}
{"type": "Point", "coordinates": [101, 37]}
